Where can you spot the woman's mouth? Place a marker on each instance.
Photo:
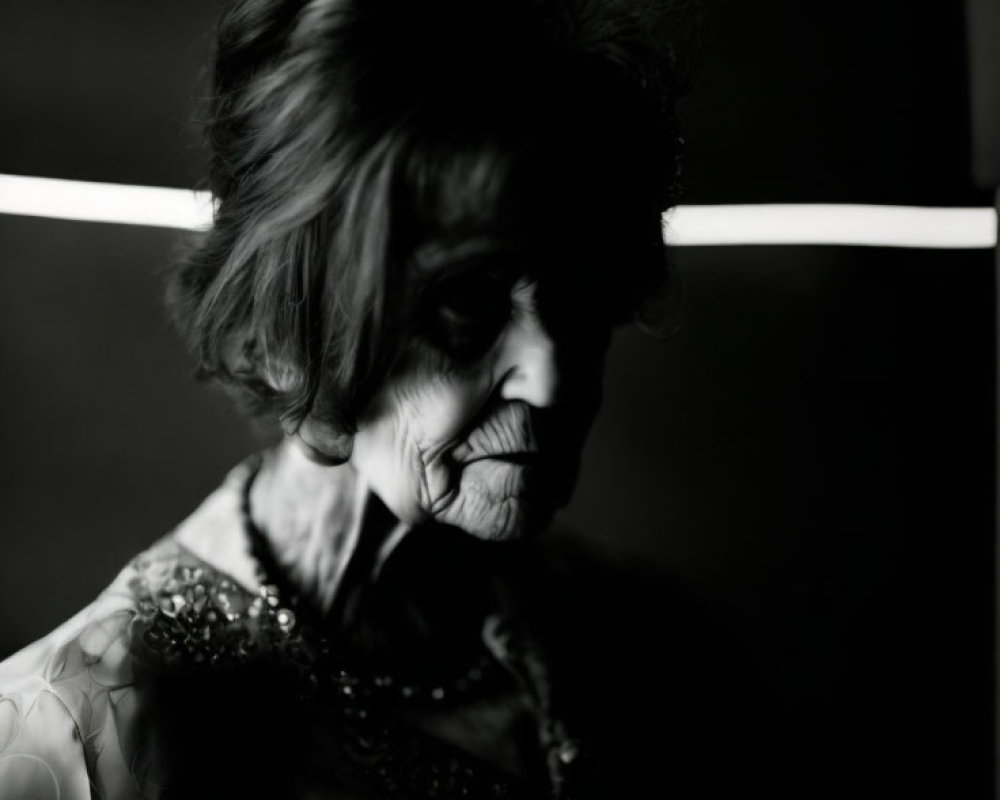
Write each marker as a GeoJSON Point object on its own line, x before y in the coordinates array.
{"type": "Point", "coordinates": [522, 457]}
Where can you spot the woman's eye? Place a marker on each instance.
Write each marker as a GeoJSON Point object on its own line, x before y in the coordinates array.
{"type": "Point", "coordinates": [462, 309]}
{"type": "Point", "coordinates": [463, 316]}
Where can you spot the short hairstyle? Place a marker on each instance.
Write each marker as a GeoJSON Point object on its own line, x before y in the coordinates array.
{"type": "Point", "coordinates": [342, 131]}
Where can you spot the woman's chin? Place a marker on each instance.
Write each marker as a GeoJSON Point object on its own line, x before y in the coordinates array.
{"type": "Point", "coordinates": [508, 524]}
{"type": "Point", "coordinates": [495, 502]}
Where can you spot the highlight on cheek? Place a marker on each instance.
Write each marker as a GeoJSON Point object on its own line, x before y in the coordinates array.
{"type": "Point", "coordinates": [442, 444]}
{"type": "Point", "coordinates": [404, 443]}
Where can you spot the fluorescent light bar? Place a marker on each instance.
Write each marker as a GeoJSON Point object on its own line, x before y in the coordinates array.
{"type": "Point", "coordinates": [104, 202]}
{"type": "Point", "coordinates": [774, 224]}
{"type": "Point", "coordinates": [808, 223]}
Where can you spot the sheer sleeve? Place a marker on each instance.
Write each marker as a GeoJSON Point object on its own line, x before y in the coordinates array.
{"type": "Point", "coordinates": [41, 753]}
{"type": "Point", "coordinates": [76, 708]}
{"type": "Point", "coordinates": [68, 710]}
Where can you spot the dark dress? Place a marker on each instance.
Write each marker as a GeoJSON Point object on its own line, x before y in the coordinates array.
{"type": "Point", "coordinates": [468, 669]}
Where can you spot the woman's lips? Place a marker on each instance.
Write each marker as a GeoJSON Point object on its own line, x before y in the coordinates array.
{"type": "Point", "coordinates": [504, 432]}
{"type": "Point", "coordinates": [516, 457]}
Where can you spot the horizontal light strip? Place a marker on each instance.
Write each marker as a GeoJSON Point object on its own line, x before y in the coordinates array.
{"type": "Point", "coordinates": [775, 224]}
{"type": "Point", "coordinates": [815, 223]}
{"type": "Point", "coordinates": [104, 202]}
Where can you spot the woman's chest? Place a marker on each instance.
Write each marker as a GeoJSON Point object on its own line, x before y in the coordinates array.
{"type": "Point", "coordinates": [256, 734]}
{"type": "Point", "coordinates": [488, 747]}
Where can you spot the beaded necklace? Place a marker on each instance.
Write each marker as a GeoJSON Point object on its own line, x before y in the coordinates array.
{"type": "Point", "coordinates": [481, 674]}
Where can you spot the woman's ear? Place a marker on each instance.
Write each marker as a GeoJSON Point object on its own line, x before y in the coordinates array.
{"type": "Point", "coordinates": [321, 442]}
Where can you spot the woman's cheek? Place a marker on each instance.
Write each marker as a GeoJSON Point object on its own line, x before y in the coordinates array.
{"type": "Point", "coordinates": [434, 427]}
{"type": "Point", "coordinates": [400, 454]}
{"type": "Point", "coordinates": [404, 448]}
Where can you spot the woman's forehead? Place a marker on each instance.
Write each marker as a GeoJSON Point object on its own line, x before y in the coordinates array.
{"type": "Point", "coordinates": [440, 252]}
{"type": "Point", "coordinates": [510, 209]}
{"type": "Point", "coordinates": [496, 180]}
{"type": "Point", "coordinates": [520, 215]}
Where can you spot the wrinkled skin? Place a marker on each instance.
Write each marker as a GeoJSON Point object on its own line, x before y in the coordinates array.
{"type": "Point", "coordinates": [492, 447]}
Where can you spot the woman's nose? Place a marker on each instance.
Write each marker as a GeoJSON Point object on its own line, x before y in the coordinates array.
{"type": "Point", "coordinates": [531, 370]}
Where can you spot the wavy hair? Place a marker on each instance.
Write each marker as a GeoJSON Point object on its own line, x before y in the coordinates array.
{"type": "Point", "coordinates": [341, 131]}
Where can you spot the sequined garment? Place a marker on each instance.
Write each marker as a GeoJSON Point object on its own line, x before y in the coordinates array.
{"type": "Point", "coordinates": [189, 678]}
{"type": "Point", "coordinates": [183, 680]}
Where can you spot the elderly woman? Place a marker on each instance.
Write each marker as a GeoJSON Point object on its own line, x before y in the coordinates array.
{"type": "Point", "coordinates": [430, 217]}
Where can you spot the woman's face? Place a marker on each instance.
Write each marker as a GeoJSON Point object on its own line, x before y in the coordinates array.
{"type": "Point", "coordinates": [482, 424]}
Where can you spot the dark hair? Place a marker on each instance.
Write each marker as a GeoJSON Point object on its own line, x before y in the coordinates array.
{"type": "Point", "coordinates": [341, 131]}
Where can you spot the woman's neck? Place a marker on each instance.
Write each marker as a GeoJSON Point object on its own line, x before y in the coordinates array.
{"type": "Point", "coordinates": [324, 526]}
{"type": "Point", "coordinates": [393, 594]}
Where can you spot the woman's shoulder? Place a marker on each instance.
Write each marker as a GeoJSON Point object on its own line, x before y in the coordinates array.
{"type": "Point", "coordinates": [60, 698]}
{"type": "Point", "coordinates": [208, 545]}
{"type": "Point", "coordinates": [67, 698]}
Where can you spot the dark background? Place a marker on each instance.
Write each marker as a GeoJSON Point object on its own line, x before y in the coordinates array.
{"type": "Point", "coordinates": [811, 455]}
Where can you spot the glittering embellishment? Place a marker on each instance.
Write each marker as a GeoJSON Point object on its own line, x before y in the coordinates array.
{"type": "Point", "coordinates": [191, 618]}
{"type": "Point", "coordinates": [285, 619]}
